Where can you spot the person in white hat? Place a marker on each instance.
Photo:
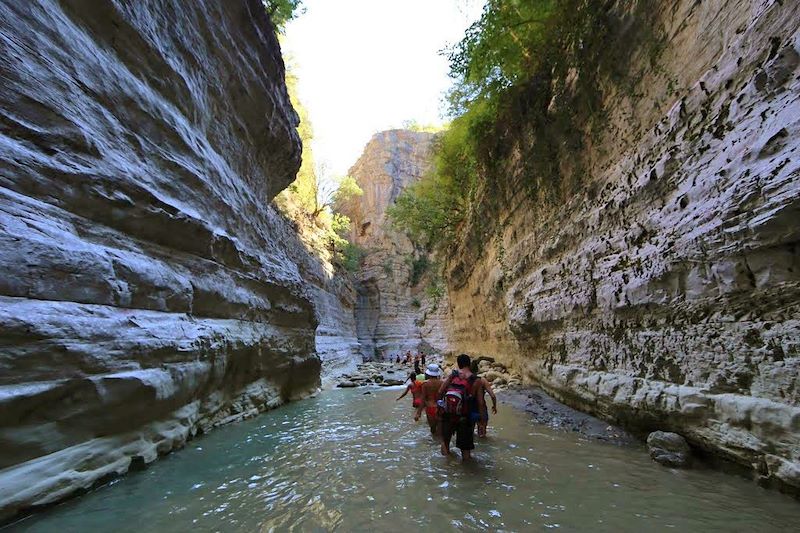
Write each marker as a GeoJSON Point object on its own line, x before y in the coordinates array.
{"type": "Point", "coordinates": [430, 393]}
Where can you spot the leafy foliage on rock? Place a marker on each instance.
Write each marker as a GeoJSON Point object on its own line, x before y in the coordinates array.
{"type": "Point", "coordinates": [310, 200]}
{"type": "Point", "coordinates": [282, 11]}
{"type": "Point", "coordinates": [513, 71]}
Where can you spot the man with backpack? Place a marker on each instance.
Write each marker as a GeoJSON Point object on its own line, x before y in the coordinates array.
{"type": "Point", "coordinates": [457, 394]}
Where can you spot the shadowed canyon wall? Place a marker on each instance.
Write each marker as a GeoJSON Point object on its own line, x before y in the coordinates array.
{"type": "Point", "coordinates": [149, 291]}
{"type": "Point", "coordinates": [393, 312]}
{"type": "Point", "coordinates": [331, 290]}
{"type": "Point", "coordinates": [656, 281]}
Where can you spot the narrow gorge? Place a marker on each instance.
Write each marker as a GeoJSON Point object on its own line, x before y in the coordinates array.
{"type": "Point", "coordinates": [394, 313]}
{"type": "Point", "coordinates": [630, 246]}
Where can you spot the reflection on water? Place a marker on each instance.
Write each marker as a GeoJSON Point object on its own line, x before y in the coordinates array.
{"type": "Point", "coordinates": [352, 461]}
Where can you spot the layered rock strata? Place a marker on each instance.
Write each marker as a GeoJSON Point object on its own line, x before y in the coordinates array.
{"type": "Point", "coordinates": [148, 291]}
{"type": "Point", "coordinates": [334, 298]}
{"type": "Point", "coordinates": [393, 311]}
{"type": "Point", "coordinates": [662, 290]}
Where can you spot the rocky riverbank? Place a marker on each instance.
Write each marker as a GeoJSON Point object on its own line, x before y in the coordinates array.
{"type": "Point", "coordinates": [551, 413]}
{"type": "Point", "coordinates": [381, 373]}
{"type": "Point", "coordinates": [510, 391]}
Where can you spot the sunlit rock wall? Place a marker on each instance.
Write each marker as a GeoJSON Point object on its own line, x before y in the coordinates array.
{"type": "Point", "coordinates": [146, 290]}
{"type": "Point", "coordinates": [664, 291]}
{"type": "Point", "coordinates": [391, 314]}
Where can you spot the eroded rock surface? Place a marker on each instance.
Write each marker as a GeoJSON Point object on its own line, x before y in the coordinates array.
{"type": "Point", "coordinates": [148, 290]}
{"type": "Point", "coordinates": [393, 310]}
{"type": "Point", "coordinates": [661, 289]}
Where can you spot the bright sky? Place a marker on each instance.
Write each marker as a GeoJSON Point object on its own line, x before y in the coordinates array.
{"type": "Point", "coordinates": [368, 65]}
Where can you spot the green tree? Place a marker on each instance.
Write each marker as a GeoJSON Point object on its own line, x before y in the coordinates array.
{"type": "Point", "coordinates": [414, 125]}
{"type": "Point", "coordinates": [310, 200]}
{"type": "Point", "coordinates": [505, 46]}
{"type": "Point", "coordinates": [304, 189]}
{"type": "Point", "coordinates": [506, 69]}
{"type": "Point", "coordinates": [282, 11]}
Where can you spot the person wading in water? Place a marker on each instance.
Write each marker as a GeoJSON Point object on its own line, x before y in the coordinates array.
{"type": "Point", "coordinates": [457, 394]}
{"type": "Point", "coordinates": [482, 386]}
{"type": "Point", "coordinates": [430, 393]}
{"type": "Point", "coordinates": [415, 386]}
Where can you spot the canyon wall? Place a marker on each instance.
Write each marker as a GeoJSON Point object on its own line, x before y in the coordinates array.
{"type": "Point", "coordinates": [654, 278]}
{"type": "Point", "coordinates": [331, 289]}
{"type": "Point", "coordinates": [149, 291]}
{"type": "Point", "coordinates": [393, 311]}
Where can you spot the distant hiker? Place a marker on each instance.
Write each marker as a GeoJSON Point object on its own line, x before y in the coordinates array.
{"type": "Point", "coordinates": [416, 368]}
{"type": "Point", "coordinates": [398, 359]}
{"type": "Point", "coordinates": [415, 386]}
{"type": "Point", "coordinates": [430, 394]}
{"type": "Point", "coordinates": [457, 393]}
{"type": "Point", "coordinates": [422, 358]}
{"type": "Point", "coordinates": [482, 386]}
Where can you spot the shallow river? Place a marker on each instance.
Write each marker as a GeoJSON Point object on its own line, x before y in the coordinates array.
{"type": "Point", "coordinates": [357, 462]}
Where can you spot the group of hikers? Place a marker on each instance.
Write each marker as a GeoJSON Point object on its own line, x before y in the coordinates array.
{"type": "Point", "coordinates": [455, 405]}
{"type": "Point", "coordinates": [407, 359]}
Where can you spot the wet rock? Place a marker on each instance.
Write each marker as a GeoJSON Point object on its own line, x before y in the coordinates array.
{"type": "Point", "coordinates": [547, 411]}
{"type": "Point", "coordinates": [393, 382]}
{"type": "Point", "coordinates": [346, 384]}
{"type": "Point", "coordinates": [669, 449]}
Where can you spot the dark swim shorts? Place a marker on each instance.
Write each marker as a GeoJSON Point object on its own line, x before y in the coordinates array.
{"type": "Point", "coordinates": [464, 429]}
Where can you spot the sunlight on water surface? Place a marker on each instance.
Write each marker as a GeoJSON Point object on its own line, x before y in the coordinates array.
{"type": "Point", "coordinates": [356, 462]}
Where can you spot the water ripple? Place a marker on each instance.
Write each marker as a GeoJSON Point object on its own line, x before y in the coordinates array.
{"type": "Point", "coordinates": [353, 462]}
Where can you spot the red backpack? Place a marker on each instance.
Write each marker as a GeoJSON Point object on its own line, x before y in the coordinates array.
{"type": "Point", "coordinates": [458, 396]}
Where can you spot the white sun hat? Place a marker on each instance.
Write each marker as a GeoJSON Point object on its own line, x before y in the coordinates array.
{"type": "Point", "coordinates": [433, 370]}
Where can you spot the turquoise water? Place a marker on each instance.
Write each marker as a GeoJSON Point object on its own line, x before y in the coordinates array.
{"type": "Point", "coordinates": [354, 462]}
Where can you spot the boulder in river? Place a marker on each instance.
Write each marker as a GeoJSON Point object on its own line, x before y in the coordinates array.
{"type": "Point", "coordinates": [669, 449]}
{"type": "Point", "coordinates": [346, 385]}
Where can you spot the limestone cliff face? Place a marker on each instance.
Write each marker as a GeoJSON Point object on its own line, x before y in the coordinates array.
{"type": "Point", "coordinates": [336, 340]}
{"type": "Point", "coordinates": [148, 289]}
{"type": "Point", "coordinates": [664, 290]}
{"type": "Point", "coordinates": [334, 298]}
{"type": "Point", "coordinates": [392, 310]}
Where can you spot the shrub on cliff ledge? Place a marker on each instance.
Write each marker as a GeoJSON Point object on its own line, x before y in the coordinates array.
{"type": "Point", "coordinates": [282, 11]}
{"type": "Point", "coordinates": [431, 209]}
{"type": "Point", "coordinates": [310, 201]}
{"type": "Point", "coordinates": [507, 70]}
